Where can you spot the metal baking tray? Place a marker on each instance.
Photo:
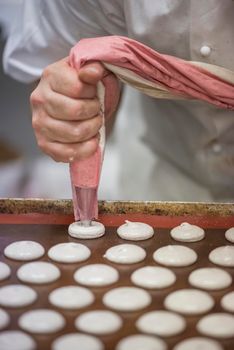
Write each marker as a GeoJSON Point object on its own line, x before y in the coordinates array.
{"type": "Point", "coordinates": [46, 221]}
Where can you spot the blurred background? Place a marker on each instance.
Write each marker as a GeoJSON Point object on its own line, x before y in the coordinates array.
{"type": "Point", "coordinates": [24, 171]}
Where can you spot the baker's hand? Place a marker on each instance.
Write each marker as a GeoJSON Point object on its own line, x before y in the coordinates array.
{"type": "Point", "coordinates": [66, 112]}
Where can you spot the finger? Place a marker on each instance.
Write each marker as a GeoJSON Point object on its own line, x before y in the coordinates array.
{"type": "Point", "coordinates": [63, 79]}
{"type": "Point", "coordinates": [69, 152]}
{"type": "Point", "coordinates": [70, 132]}
{"type": "Point", "coordinates": [91, 73]}
{"type": "Point", "coordinates": [65, 108]}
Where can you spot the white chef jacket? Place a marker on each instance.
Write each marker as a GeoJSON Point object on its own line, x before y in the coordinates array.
{"type": "Point", "coordinates": [193, 142]}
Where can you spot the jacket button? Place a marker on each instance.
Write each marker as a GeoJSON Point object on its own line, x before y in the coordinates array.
{"type": "Point", "coordinates": [205, 51]}
{"type": "Point", "coordinates": [217, 148]}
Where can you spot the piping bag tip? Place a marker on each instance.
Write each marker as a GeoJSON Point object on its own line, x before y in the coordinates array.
{"type": "Point", "coordinates": [85, 176]}
{"type": "Point", "coordinates": [86, 208]}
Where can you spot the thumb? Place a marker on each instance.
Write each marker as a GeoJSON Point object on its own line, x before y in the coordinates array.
{"type": "Point", "coordinates": [94, 72]}
{"type": "Point", "coordinates": [91, 73]}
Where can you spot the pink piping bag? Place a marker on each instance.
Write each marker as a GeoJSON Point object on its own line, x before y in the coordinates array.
{"type": "Point", "coordinates": [85, 175]}
{"type": "Point", "coordinates": [141, 66]}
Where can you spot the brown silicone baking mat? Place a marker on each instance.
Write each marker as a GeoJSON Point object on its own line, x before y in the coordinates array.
{"type": "Point", "coordinates": [46, 226]}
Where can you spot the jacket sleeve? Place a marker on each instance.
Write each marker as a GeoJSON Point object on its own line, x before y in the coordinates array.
{"type": "Point", "coordinates": [46, 30]}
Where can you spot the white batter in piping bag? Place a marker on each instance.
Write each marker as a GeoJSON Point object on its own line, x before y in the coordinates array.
{"type": "Point", "coordinates": [85, 175]}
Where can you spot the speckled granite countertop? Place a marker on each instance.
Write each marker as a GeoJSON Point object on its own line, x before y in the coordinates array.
{"type": "Point", "coordinates": [49, 206]}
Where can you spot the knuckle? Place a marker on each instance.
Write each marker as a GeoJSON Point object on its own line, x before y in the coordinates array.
{"type": "Point", "coordinates": [42, 144]}
{"type": "Point", "coordinates": [47, 71]}
{"type": "Point", "coordinates": [75, 134]}
{"type": "Point", "coordinates": [35, 123]}
{"type": "Point", "coordinates": [33, 96]}
{"type": "Point", "coordinates": [36, 97]}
